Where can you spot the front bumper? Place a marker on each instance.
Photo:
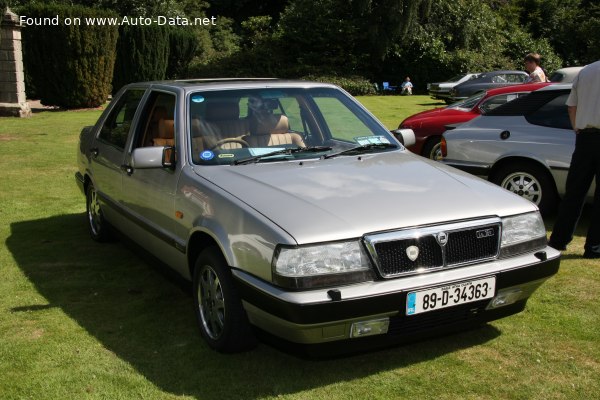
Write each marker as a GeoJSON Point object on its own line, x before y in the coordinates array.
{"type": "Point", "coordinates": [312, 317]}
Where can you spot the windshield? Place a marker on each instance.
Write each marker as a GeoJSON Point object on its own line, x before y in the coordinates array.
{"type": "Point", "coordinates": [456, 78]}
{"type": "Point", "coordinates": [468, 103]}
{"type": "Point", "coordinates": [234, 126]}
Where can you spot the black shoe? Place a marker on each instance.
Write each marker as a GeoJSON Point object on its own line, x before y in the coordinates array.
{"type": "Point", "coordinates": [556, 246]}
{"type": "Point", "coordinates": [591, 254]}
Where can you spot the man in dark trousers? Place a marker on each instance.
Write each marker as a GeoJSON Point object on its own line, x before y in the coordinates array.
{"type": "Point", "coordinates": [584, 111]}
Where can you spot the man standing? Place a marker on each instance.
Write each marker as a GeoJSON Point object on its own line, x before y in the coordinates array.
{"type": "Point", "coordinates": [532, 65]}
{"type": "Point", "coordinates": [584, 111]}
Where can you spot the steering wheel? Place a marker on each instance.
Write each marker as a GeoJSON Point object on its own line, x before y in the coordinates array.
{"type": "Point", "coordinates": [230, 140]}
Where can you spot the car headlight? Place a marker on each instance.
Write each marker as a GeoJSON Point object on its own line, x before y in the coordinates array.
{"type": "Point", "coordinates": [522, 233]}
{"type": "Point", "coordinates": [321, 265]}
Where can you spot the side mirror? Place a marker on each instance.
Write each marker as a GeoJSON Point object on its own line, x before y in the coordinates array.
{"type": "Point", "coordinates": [405, 136]}
{"type": "Point", "coordinates": [152, 157]}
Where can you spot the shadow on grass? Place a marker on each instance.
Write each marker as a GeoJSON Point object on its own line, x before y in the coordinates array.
{"type": "Point", "coordinates": [439, 104]}
{"type": "Point", "coordinates": [144, 316]}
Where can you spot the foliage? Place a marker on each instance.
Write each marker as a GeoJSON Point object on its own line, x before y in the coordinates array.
{"type": "Point", "coordinates": [69, 66]}
{"type": "Point", "coordinates": [142, 54]}
{"type": "Point", "coordinates": [183, 46]}
{"type": "Point", "coordinates": [355, 85]}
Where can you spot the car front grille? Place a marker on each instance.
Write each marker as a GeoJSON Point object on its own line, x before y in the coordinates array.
{"type": "Point", "coordinates": [432, 248]}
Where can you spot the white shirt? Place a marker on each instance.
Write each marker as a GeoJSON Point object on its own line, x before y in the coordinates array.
{"type": "Point", "coordinates": [537, 75]}
{"type": "Point", "coordinates": [585, 95]}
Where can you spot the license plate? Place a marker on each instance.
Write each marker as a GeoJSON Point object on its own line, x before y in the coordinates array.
{"type": "Point", "coordinates": [454, 294]}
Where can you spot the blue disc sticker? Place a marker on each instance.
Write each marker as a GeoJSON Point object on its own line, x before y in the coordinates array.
{"type": "Point", "coordinates": [197, 98]}
{"type": "Point", "coordinates": [207, 155]}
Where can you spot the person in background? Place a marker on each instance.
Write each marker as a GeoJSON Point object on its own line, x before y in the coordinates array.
{"type": "Point", "coordinates": [406, 86]}
{"type": "Point", "coordinates": [584, 112]}
{"type": "Point", "coordinates": [532, 65]}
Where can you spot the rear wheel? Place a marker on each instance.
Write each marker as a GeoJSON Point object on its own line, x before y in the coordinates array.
{"type": "Point", "coordinates": [531, 182]}
{"type": "Point", "coordinates": [98, 226]}
{"type": "Point", "coordinates": [222, 319]}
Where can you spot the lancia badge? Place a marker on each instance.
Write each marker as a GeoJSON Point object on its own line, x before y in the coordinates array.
{"type": "Point", "coordinates": [442, 238]}
{"type": "Point", "coordinates": [412, 252]}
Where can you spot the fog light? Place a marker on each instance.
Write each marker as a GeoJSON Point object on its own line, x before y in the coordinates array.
{"type": "Point", "coordinates": [368, 328]}
{"type": "Point", "coordinates": [505, 298]}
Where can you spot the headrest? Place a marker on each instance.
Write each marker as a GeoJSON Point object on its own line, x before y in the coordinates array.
{"type": "Point", "coordinates": [270, 124]}
{"type": "Point", "coordinates": [222, 110]}
{"type": "Point", "coordinates": [166, 129]}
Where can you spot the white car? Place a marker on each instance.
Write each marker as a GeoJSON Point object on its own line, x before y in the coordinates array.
{"type": "Point", "coordinates": [565, 75]}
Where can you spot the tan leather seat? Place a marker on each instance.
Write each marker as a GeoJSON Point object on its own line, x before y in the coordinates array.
{"type": "Point", "coordinates": [225, 116]}
{"type": "Point", "coordinates": [166, 133]}
{"type": "Point", "coordinates": [272, 130]}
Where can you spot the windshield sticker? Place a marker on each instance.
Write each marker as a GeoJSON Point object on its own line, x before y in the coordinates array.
{"type": "Point", "coordinates": [197, 98]}
{"type": "Point", "coordinates": [366, 140]}
{"type": "Point", "coordinates": [226, 155]}
{"type": "Point", "coordinates": [207, 155]}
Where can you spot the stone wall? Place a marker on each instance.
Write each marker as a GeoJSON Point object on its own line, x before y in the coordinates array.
{"type": "Point", "coordinates": [13, 101]}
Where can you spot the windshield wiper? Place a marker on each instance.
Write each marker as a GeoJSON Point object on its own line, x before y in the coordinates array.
{"type": "Point", "coordinates": [255, 159]}
{"type": "Point", "coordinates": [365, 148]}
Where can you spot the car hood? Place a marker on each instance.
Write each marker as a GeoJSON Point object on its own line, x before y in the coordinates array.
{"type": "Point", "coordinates": [349, 196]}
{"type": "Point", "coordinates": [416, 119]}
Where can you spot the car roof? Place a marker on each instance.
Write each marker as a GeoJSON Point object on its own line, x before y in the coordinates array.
{"type": "Point", "coordinates": [519, 87]}
{"type": "Point", "coordinates": [557, 86]}
{"type": "Point", "coordinates": [569, 69]}
{"type": "Point", "coordinates": [189, 85]}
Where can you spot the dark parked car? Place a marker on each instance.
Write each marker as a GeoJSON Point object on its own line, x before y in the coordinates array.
{"type": "Point", "coordinates": [486, 81]}
{"type": "Point", "coordinates": [429, 125]}
{"type": "Point", "coordinates": [441, 90]}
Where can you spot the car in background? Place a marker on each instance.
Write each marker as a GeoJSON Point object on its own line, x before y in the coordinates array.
{"type": "Point", "coordinates": [524, 146]}
{"type": "Point", "coordinates": [429, 125]}
{"type": "Point", "coordinates": [487, 80]}
{"type": "Point", "coordinates": [290, 208]}
{"type": "Point", "coordinates": [441, 90]}
{"type": "Point", "coordinates": [565, 75]}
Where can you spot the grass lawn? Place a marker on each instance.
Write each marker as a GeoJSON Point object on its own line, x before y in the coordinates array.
{"type": "Point", "coordinates": [80, 320]}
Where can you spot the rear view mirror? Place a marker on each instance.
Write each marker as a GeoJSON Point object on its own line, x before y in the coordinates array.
{"type": "Point", "coordinates": [405, 136]}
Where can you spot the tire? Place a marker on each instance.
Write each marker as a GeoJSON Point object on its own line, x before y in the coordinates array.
{"type": "Point", "coordinates": [432, 148]}
{"type": "Point", "coordinates": [222, 319]}
{"type": "Point", "coordinates": [531, 182]}
{"type": "Point", "coordinates": [98, 227]}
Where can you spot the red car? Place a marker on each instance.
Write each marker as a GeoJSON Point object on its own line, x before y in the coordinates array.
{"type": "Point", "coordinates": [429, 125]}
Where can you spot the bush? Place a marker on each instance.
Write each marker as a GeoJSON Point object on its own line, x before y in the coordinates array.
{"type": "Point", "coordinates": [69, 66]}
{"type": "Point", "coordinates": [142, 54]}
{"type": "Point", "coordinates": [183, 45]}
{"type": "Point", "coordinates": [355, 85]}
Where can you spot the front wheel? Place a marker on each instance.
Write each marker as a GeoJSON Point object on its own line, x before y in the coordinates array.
{"type": "Point", "coordinates": [97, 225]}
{"type": "Point", "coordinates": [222, 319]}
{"type": "Point", "coordinates": [531, 182]}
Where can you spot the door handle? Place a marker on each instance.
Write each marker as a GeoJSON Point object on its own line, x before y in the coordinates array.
{"type": "Point", "coordinates": [127, 169]}
{"type": "Point", "coordinates": [95, 151]}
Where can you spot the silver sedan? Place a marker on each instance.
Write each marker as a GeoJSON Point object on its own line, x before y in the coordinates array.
{"type": "Point", "coordinates": [525, 146]}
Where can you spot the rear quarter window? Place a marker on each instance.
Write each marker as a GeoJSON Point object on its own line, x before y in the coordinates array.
{"type": "Point", "coordinates": [553, 114]}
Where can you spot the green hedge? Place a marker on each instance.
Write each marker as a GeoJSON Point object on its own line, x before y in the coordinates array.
{"type": "Point", "coordinates": [142, 54]}
{"type": "Point", "coordinates": [355, 85]}
{"type": "Point", "coordinates": [183, 46]}
{"type": "Point", "coordinates": [68, 66]}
